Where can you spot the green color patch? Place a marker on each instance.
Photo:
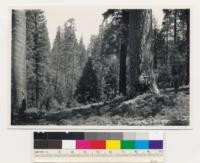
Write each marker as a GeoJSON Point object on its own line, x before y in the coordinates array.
{"type": "Point", "coordinates": [127, 144]}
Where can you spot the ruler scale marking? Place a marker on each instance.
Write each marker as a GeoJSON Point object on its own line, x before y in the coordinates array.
{"type": "Point", "coordinates": [98, 147]}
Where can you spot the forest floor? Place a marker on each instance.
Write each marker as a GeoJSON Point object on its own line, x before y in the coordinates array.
{"type": "Point", "coordinates": [148, 109]}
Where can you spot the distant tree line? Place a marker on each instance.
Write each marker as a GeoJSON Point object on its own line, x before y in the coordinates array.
{"type": "Point", "coordinates": [68, 58]}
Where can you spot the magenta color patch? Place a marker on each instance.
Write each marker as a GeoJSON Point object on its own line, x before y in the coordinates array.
{"type": "Point", "coordinates": [83, 144]}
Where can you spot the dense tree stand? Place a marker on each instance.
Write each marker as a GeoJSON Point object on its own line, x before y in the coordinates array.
{"type": "Point", "coordinates": [133, 71]}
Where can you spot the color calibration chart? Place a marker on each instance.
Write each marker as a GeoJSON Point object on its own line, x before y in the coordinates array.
{"type": "Point", "coordinates": [98, 147]}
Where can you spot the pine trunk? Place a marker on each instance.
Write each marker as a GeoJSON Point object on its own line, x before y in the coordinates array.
{"type": "Point", "coordinates": [147, 56]}
{"type": "Point", "coordinates": [140, 55]}
{"type": "Point", "coordinates": [155, 52]}
{"type": "Point", "coordinates": [134, 51]}
{"type": "Point", "coordinates": [175, 27]}
{"type": "Point", "coordinates": [122, 72]}
{"type": "Point", "coordinates": [19, 61]}
{"type": "Point", "coordinates": [123, 55]}
{"type": "Point", "coordinates": [188, 48]}
{"type": "Point", "coordinates": [37, 90]}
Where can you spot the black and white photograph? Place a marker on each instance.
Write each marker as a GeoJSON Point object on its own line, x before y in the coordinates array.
{"type": "Point", "coordinates": [100, 66]}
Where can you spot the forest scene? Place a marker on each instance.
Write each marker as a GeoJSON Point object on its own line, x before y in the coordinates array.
{"type": "Point", "coordinates": [132, 72]}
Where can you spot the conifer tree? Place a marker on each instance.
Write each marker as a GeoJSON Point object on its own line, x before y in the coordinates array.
{"type": "Point", "coordinates": [38, 50]}
{"type": "Point", "coordinates": [87, 88]}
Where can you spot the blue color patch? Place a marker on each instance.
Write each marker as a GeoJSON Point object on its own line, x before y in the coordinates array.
{"type": "Point", "coordinates": [141, 144]}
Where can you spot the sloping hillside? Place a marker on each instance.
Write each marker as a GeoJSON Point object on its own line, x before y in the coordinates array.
{"type": "Point", "coordinates": [167, 108]}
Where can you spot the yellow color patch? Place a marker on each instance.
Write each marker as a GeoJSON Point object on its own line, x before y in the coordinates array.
{"type": "Point", "coordinates": [112, 144]}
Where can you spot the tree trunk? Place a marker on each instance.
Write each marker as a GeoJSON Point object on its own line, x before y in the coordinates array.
{"type": "Point", "coordinates": [188, 48]}
{"type": "Point", "coordinates": [122, 72]}
{"type": "Point", "coordinates": [102, 61]}
{"type": "Point", "coordinates": [37, 90]}
{"type": "Point", "coordinates": [140, 56]}
{"type": "Point", "coordinates": [155, 51]}
{"type": "Point", "coordinates": [147, 56]}
{"type": "Point", "coordinates": [175, 27]}
{"type": "Point", "coordinates": [134, 51]}
{"type": "Point", "coordinates": [73, 75]}
{"type": "Point", "coordinates": [167, 47]}
{"type": "Point", "coordinates": [173, 59]}
{"type": "Point", "coordinates": [123, 54]}
{"type": "Point", "coordinates": [18, 61]}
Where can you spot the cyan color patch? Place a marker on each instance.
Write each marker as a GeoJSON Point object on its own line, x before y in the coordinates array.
{"type": "Point", "coordinates": [141, 144]}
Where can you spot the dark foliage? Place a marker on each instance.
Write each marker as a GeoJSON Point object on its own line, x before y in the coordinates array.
{"type": "Point", "coordinates": [87, 88]}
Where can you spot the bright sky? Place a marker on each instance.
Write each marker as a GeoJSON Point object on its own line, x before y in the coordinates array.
{"type": "Point", "coordinates": [87, 19]}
